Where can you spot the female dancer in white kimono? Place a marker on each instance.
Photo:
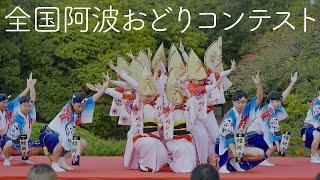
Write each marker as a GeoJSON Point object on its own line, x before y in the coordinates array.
{"type": "Point", "coordinates": [122, 94]}
{"type": "Point", "coordinates": [198, 94]}
{"type": "Point", "coordinates": [215, 76]}
{"type": "Point", "coordinates": [144, 149]}
{"type": "Point", "coordinates": [130, 84]}
{"type": "Point", "coordinates": [176, 126]}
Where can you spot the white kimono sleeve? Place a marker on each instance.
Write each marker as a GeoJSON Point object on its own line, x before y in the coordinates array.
{"type": "Point", "coordinates": [118, 83]}
{"type": "Point", "coordinates": [112, 92]}
{"type": "Point", "coordinates": [130, 80]}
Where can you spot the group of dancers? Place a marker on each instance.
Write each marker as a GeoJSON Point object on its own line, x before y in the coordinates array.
{"type": "Point", "coordinates": [169, 105]}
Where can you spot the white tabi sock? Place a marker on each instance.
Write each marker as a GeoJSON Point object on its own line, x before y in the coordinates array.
{"type": "Point", "coordinates": [266, 163]}
{"type": "Point", "coordinates": [55, 166]}
{"type": "Point", "coordinates": [63, 163]}
{"type": "Point", "coordinates": [6, 162]}
{"type": "Point", "coordinates": [224, 169]}
{"type": "Point", "coordinates": [236, 165]}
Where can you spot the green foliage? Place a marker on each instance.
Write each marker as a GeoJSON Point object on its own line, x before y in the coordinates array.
{"type": "Point", "coordinates": [297, 111]}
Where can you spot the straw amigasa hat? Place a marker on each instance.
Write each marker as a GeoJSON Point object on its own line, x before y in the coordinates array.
{"type": "Point", "coordinates": [147, 83]}
{"type": "Point", "coordinates": [123, 64]}
{"type": "Point", "coordinates": [213, 55]}
{"type": "Point", "coordinates": [172, 50]}
{"type": "Point", "coordinates": [176, 62]}
{"type": "Point", "coordinates": [136, 69]}
{"type": "Point", "coordinates": [173, 90]}
{"type": "Point", "coordinates": [159, 56]}
{"type": "Point", "coordinates": [144, 59]}
{"type": "Point", "coordinates": [195, 69]}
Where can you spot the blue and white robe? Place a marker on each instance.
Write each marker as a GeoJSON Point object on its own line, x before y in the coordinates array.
{"type": "Point", "coordinates": [18, 124]}
{"type": "Point", "coordinates": [67, 120]}
{"type": "Point", "coordinates": [6, 116]}
{"type": "Point", "coordinates": [21, 125]}
{"type": "Point", "coordinates": [233, 123]}
{"type": "Point", "coordinates": [267, 124]}
{"type": "Point", "coordinates": [312, 122]}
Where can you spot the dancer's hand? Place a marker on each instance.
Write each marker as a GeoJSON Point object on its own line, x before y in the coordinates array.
{"type": "Point", "coordinates": [294, 77]}
{"type": "Point", "coordinates": [91, 87]}
{"type": "Point", "coordinates": [256, 79]}
{"type": "Point", "coordinates": [233, 65]}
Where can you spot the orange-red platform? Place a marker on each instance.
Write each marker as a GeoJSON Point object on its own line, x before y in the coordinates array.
{"type": "Point", "coordinates": [111, 168]}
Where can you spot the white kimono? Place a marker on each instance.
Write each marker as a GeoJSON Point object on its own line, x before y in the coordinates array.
{"type": "Point", "coordinates": [222, 84]}
{"type": "Point", "coordinates": [67, 120]}
{"type": "Point", "coordinates": [123, 105]}
{"type": "Point", "coordinates": [183, 154]}
{"type": "Point", "coordinates": [197, 104]}
{"type": "Point", "coordinates": [142, 148]}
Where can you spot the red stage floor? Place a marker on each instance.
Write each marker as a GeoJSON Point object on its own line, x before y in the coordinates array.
{"type": "Point", "coordinates": [111, 168]}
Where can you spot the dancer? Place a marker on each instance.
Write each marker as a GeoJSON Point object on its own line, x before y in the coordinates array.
{"type": "Point", "coordinates": [57, 135]}
{"type": "Point", "coordinates": [264, 132]}
{"type": "Point", "coordinates": [144, 150]}
{"type": "Point", "coordinates": [311, 130]}
{"type": "Point", "coordinates": [177, 126]}
{"type": "Point", "coordinates": [235, 122]}
{"type": "Point", "coordinates": [23, 117]}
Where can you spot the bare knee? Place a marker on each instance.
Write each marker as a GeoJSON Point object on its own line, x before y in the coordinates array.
{"type": "Point", "coordinates": [7, 146]}
{"type": "Point", "coordinates": [260, 154]}
{"type": "Point", "coordinates": [6, 149]}
{"type": "Point", "coordinates": [57, 152]}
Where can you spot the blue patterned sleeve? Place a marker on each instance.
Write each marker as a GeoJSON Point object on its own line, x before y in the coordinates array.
{"type": "Point", "coordinates": [12, 105]}
{"type": "Point", "coordinates": [87, 113]}
{"type": "Point", "coordinates": [20, 120]}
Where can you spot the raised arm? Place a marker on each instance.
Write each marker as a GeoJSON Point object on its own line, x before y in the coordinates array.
{"type": "Point", "coordinates": [26, 90]}
{"type": "Point", "coordinates": [227, 72]}
{"type": "Point", "coordinates": [118, 83]}
{"type": "Point", "coordinates": [109, 91]}
{"type": "Point", "coordinates": [125, 76]}
{"type": "Point", "coordinates": [114, 82]}
{"type": "Point", "coordinates": [115, 69]}
{"type": "Point", "coordinates": [294, 78]}
{"type": "Point", "coordinates": [259, 93]}
{"type": "Point", "coordinates": [98, 95]}
{"type": "Point", "coordinates": [31, 84]}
